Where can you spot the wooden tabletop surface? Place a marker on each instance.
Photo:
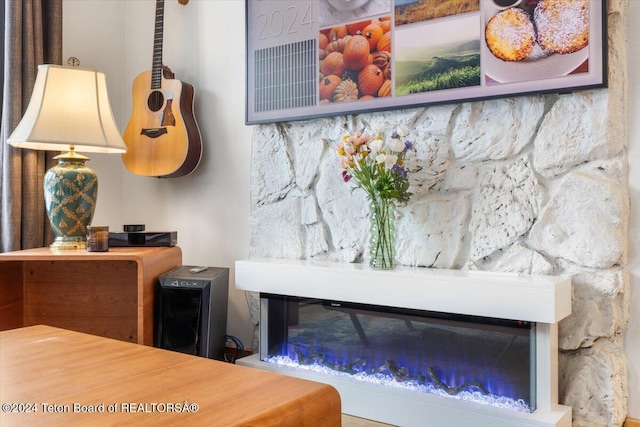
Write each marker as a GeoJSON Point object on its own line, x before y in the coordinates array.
{"type": "Point", "coordinates": [54, 377]}
{"type": "Point", "coordinates": [114, 253]}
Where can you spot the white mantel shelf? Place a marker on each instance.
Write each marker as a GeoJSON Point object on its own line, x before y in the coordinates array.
{"type": "Point", "coordinates": [544, 299]}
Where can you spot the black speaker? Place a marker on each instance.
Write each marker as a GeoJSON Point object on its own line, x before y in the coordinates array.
{"type": "Point", "coordinates": [191, 311]}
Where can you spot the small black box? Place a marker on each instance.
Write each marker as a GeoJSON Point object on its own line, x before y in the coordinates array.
{"type": "Point", "coordinates": [143, 238]}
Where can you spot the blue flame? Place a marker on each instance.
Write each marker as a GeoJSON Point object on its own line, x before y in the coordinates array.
{"type": "Point", "coordinates": [382, 378]}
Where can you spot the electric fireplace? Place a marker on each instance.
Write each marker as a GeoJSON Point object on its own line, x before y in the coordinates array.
{"type": "Point", "coordinates": [466, 357]}
{"type": "Point", "coordinates": [415, 346]}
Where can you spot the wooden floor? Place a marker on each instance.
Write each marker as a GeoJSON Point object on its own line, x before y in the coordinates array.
{"type": "Point", "coordinates": [349, 421]}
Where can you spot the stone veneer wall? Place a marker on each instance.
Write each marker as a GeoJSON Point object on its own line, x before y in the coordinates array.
{"type": "Point", "coordinates": [534, 184]}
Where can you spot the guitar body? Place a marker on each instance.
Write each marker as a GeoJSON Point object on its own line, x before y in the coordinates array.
{"type": "Point", "coordinates": [162, 135]}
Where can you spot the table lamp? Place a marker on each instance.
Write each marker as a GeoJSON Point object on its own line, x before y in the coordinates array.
{"type": "Point", "coordinates": [69, 110]}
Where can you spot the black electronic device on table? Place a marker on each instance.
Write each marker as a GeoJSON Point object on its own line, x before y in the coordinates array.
{"type": "Point", "coordinates": [135, 235]}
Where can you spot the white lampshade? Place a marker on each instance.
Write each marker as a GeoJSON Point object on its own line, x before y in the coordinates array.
{"type": "Point", "coordinates": [69, 107]}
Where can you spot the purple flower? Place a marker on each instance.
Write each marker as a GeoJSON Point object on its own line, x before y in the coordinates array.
{"type": "Point", "coordinates": [345, 176]}
{"type": "Point", "coordinates": [408, 145]}
{"type": "Point", "coordinates": [400, 171]}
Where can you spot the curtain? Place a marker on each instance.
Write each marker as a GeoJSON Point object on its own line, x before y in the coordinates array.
{"type": "Point", "coordinates": [32, 36]}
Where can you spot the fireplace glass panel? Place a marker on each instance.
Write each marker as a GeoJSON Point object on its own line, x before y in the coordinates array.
{"type": "Point", "coordinates": [489, 361]}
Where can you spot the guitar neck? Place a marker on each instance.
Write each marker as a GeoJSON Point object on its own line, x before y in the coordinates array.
{"type": "Point", "coordinates": [156, 68]}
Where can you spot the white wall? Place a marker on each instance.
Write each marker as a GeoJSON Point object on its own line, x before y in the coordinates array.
{"type": "Point", "coordinates": [633, 334]}
{"type": "Point", "coordinates": [204, 45]}
{"type": "Point", "coordinates": [92, 33]}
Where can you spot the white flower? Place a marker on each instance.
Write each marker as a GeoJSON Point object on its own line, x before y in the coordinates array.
{"type": "Point", "coordinates": [390, 161]}
{"type": "Point", "coordinates": [375, 146]}
{"type": "Point", "coordinates": [379, 128]}
{"type": "Point", "coordinates": [381, 158]}
{"type": "Point", "coordinates": [396, 144]}
{"type": "Point", "coordinates": [402, 131]}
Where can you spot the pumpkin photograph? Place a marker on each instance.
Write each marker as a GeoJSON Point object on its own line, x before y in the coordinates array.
{"type": "Point", "coordinates": [355, 61]}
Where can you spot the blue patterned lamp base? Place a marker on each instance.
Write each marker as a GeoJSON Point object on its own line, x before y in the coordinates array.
{"type": "Point", "coordinates": [71, 190]}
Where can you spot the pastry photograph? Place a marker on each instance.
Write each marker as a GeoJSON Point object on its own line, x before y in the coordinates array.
{"type": "Point", "coordinates": [535, 39]}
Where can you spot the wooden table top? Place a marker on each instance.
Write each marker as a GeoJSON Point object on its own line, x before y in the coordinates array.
{"type": "Point", "coordinates": [66, 373]}
{"type": "Point", "coordinates": [114, 253]}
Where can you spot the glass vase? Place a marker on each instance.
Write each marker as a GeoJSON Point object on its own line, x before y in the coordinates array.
{"type": "Point", "coordinates": [382, 251]}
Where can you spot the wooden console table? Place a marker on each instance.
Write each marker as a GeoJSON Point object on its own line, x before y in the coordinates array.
{"type": "Point", "coordinates": [110, 294]}
{"type": "Point", "coordinates": [70, 374]}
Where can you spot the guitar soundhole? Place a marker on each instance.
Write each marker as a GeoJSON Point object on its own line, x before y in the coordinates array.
{"type": "Point", "coordinates": [155, 101]}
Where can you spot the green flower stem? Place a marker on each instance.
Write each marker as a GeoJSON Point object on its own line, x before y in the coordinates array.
{"type": "Point", "coordinates": [382, 244]}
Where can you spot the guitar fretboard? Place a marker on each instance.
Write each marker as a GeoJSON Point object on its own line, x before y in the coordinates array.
{"type": "Point", "coordinates": [156, 68]}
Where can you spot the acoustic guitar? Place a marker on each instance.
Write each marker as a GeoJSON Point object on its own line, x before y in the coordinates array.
{"type": "Point", "coordinates": [162, 136]}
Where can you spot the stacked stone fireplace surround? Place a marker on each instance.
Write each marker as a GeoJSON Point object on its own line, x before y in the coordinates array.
{"type": "Point", "coordinates": [533, 184]}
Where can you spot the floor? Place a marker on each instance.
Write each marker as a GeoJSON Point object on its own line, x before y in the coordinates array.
{"type": "Point", "coordinates": [349, 421]}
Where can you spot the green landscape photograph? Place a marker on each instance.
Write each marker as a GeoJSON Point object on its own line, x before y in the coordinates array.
{"type": "Point", "coordinates": [437, 56]}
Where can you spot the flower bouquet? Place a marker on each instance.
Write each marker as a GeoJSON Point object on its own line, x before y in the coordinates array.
{"type": "Point", "coordinates": [376, 164]}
